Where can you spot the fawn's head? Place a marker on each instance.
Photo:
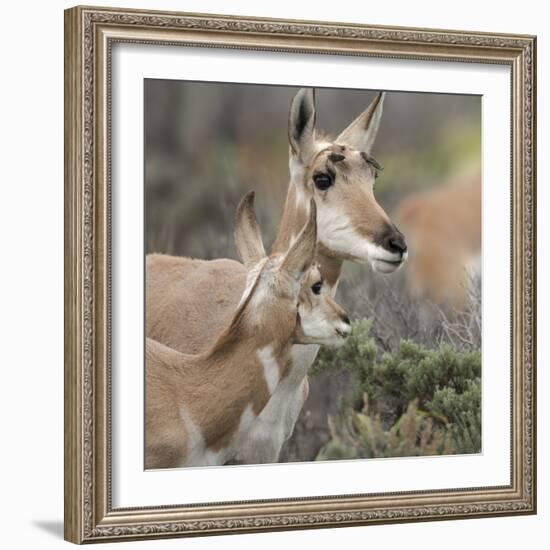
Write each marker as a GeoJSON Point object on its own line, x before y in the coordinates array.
{"type": "Point", "coordinates": [340, 176]}
{"type": "Point", "coordinates": [284, 297]}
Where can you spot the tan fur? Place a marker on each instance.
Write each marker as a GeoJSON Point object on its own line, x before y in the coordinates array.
{"type": "Point", "coordinates": [444, 229]}
{"type": "Point", "coordinates": [212, 391]}
{"type": "Point", "coordinates": [202, 383]}
{"type": "Point", "coordinates": [189, 301]}
{"type": "Point", "coordinates": [185, 296]}
{"type": "Point", "coordinates": [215, 389]}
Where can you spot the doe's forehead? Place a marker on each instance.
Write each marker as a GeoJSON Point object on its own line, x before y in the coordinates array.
{"type": "Point", "coordinates": [334, 149]}
{"type": "Point", "coordinates": [339, 156]}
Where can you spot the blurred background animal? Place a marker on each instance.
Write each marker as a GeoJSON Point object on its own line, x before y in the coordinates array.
{"type": "Point", "coordinates": [443, 228]}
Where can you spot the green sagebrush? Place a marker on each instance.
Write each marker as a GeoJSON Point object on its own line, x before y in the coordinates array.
{"type": "Point", "coordinates": [414, 401]}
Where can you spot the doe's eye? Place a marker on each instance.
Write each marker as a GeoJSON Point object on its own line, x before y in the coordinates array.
{"type": "Point", "coordinates": [316, 288]}
{"type": "Point", "coordinates": [322, 181]}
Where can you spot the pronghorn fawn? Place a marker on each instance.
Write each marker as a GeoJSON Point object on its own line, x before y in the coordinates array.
{"type": "Point", "coordinates": [188, 301]}
{"type": "Point", "coordinates": [444, 230]}
{"type": "Point", "coordinates": [200, 408]}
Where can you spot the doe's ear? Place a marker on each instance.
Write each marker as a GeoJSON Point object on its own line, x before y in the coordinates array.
{"type": "Point", "coordinates": [301, 124]}
{"type": "Point", "coordinates": [248, 238]}
{"type": "Point", "coordinates": [361, 133]}
{"type": "Point", "coordinates": [301, 254]}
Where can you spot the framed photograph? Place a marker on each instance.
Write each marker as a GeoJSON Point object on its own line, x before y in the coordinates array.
{"type": "Point", "coordinates": [300, 274]}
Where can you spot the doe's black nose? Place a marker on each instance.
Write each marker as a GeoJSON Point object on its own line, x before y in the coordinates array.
{"type": "Point", "coordinates": [346, 320]}
{"type": "Point", "coordinates": [394, 241]}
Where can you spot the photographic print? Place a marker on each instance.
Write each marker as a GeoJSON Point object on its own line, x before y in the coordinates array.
{"type": "Point", "coordinates": [313, 274]}
{"type": "Point", "coordinates": [299, 274]}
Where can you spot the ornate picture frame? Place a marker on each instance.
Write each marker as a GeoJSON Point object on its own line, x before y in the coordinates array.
{"type": "Point", "coordinates": [90, 34]}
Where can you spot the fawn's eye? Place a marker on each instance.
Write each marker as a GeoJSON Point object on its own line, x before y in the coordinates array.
{"type": "Point", "coordinates": [322, 181]}
{"type": "Point", "coordinates": [316, 288]}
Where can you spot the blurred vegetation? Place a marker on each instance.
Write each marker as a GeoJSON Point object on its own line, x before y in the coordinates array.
{"type": "Point", "coordinates": [361, 435]}
{"type": "Point", "coordinates": [416, 400]}
{"type": "Point", "coordinates": [408, 381]}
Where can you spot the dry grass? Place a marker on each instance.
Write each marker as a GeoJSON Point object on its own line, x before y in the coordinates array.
{"type": "Point", "coordinates": [399, 315]}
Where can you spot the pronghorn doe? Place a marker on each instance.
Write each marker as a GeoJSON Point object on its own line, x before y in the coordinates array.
{"type": "Point", "coordinates": [444, 229]}
{"type": "Point", "coordinates": [200, 408]}
{"type": "Point", "coordinates": [189, 301]}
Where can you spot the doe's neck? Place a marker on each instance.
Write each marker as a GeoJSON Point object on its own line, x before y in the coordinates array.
{"type": "Point", "coordinates": [294, 218]}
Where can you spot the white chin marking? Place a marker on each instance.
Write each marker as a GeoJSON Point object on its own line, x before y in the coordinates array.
{"type": "Point", "coordinates": [382, 266]}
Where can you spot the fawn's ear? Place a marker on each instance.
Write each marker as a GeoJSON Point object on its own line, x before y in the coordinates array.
{"type": "Point", "coordinates": [301, 254]}
{"type": "Point", "coordinates": [361, 133]}
{"type": "Point", "coordinates": [248, 239]}
{"type": "Point", "coordinates": [301, 124]}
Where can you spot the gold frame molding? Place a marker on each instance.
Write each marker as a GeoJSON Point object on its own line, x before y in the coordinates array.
{"type": "Point", "coordinates": [89, 36]}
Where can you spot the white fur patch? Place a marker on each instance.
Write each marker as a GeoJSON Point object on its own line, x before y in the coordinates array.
{"type": "Point", "coordinates": [302, 198]}
{"type": "Point", "coordinates": [251, 277]}
{"type": "Point", "coordinates": [272, 373]}
{"type": "Point", "coordinates": [296, 169]}
{"type": "Point", "coordinates": [317, 326]}
{"type": "Point", "coordinates": [275, 424]}
{"type": "Point", "coordinates": [337, 233]}
{"type": "Point", "coordinates": [293, 238]}
{"type": "Point", "coordinates": [197, 453]}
